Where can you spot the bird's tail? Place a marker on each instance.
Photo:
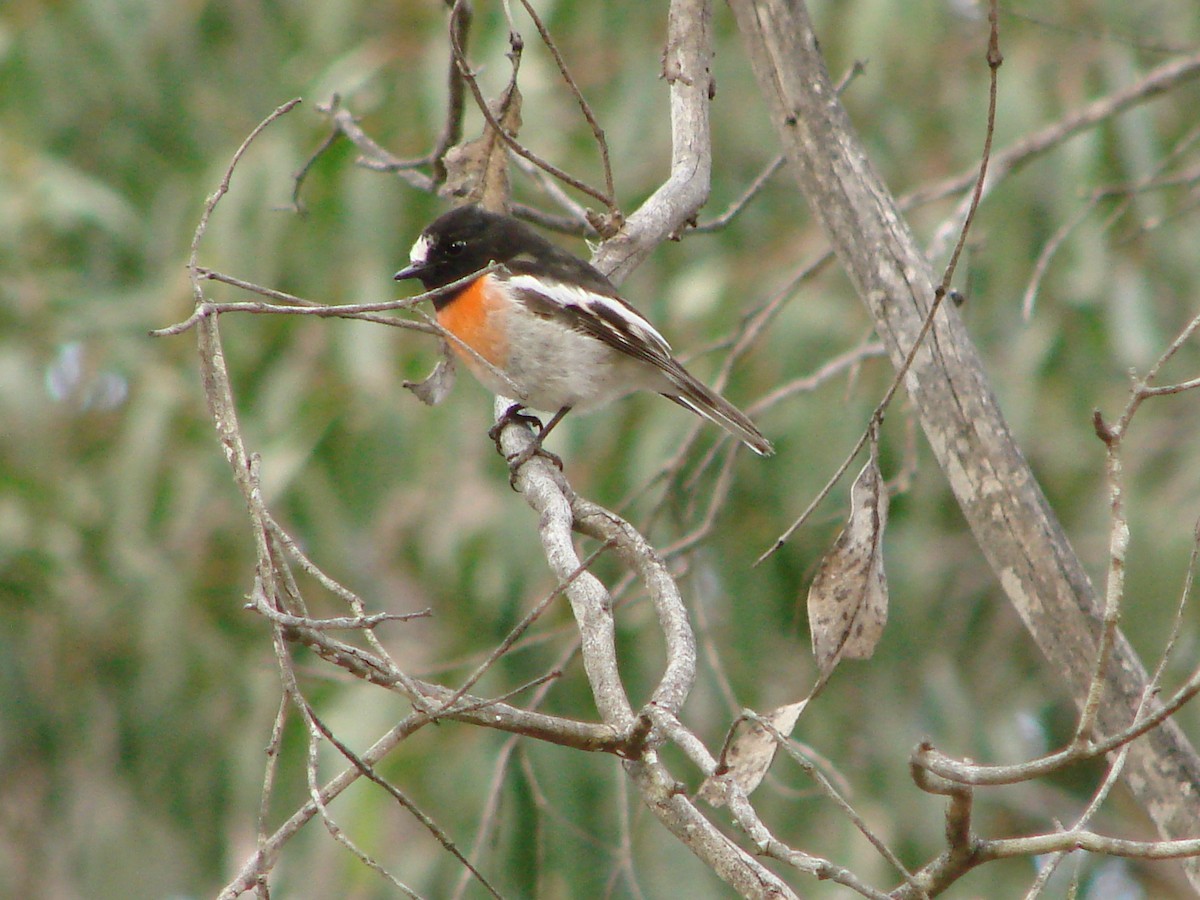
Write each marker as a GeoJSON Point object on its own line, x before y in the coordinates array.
{"type": "Point", "coordinates": [704, 401]}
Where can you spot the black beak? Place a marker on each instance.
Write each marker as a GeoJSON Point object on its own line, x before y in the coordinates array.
{"type": "Point", "coordinates": [413, 271]}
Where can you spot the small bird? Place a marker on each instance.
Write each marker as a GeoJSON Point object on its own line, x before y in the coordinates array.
{"type": "Point", "coordinates": [548, 329]}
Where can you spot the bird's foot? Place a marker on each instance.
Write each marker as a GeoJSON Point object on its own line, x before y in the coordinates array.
{"type": "Point", "coordinates": [513, 414]}
{"type": "Point", "coordinates": [516, 460]}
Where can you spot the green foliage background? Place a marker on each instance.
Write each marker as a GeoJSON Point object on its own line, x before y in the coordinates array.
{"type": "Point", "coordinates": [136, 694]}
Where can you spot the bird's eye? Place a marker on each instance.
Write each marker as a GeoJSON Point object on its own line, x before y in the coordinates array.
{"type": "Point", "coordinates": [456, 247]}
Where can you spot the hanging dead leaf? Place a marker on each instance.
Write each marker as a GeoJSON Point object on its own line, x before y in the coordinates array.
{"type": "Point", "coordinates": [847, 602]}
{"type": "Point", "coordinates": [433, 389]}
{"type": "Point", "coordinates": [749, 751]}
{"type": "Point", "coordinates": [478, 170]}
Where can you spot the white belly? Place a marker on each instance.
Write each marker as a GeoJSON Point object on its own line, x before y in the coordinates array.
{"type": "Point", "coordinates": [551, 367]}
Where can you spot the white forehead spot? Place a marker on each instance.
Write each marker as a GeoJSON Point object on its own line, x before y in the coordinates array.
{"type": "Point", "coordinates": [419, 253]}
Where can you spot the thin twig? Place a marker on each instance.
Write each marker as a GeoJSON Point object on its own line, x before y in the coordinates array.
{"type": "Point", "coordinates": [829, 370]}
{"type": "Point", "coordinates": [272, 770]}
{"type": "Point", "coordinates": [1013, 157]}
{"type": "Point", "coordinates": [875, 422]}
{"type": "Point", "coordinates": [373, 156]}
{"type": "Point", "coordinates": [1047, 253]}
{"type": "Point", "coordinates": [1051, 863]}
{"type": "Point", "coordinates": [584, 107]}
{"type": "Point", "coordinates": [1104, 33]}
{"type": "Point", "coordinates": [298, 306]}
{"type": "Point", "coordinates": [516, 146]}
{"type": "Point", "coordinates": [1114, 587]}
{"type": "Point", "coordinates": [972, 773]}
{"type": "Point", "coordinates": [764, 176]}
{"type": "Point", "coordinates": [263, 860]}
{"type": "Point", "coordinates": [994, 59]}
{"type": "Point", "coordinates": [223, 188]}
{"type": "Point", "coordinates": [483, 834]}
{"type": "Point", "coordinates": [452, 128]}
{"type": "Point", "coordinates": [255, 308]}
{"type": "Point", "coordinates": [1125, 194]}
{"type": "Point", "coordinates": [336, 623]}
{"type": "Point", "coordinates": [753, 325]}
{"type": "Point", "coordinates": [299, 176]}
{"type": "Point", "coordinates": [833, 794]}
{"type": "Point", "coordinates": [316, 729]}
{"type": "Point", "coordinates": [741, 202]}
{"type": "Point", "coordinates": [521, 627]}
{"type": "Point", "coordinates": [406, 802]}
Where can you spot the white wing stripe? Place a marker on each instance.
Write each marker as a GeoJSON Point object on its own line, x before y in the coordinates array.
{"type": "Point", "coordinates": [581, 298]}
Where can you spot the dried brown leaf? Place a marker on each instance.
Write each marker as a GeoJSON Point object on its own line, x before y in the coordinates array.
{"type": "Point", "coordinates": [750, 749]}
{"type": "Point", "coordinates": [847, 602]}
{"type": "Point", "coordinates": [433, 389]}
{"type": "Point", "coordinates": [478, 170]}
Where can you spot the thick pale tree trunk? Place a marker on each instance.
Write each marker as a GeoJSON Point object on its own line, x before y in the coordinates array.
{"type": "Point", "coordinates": [1010, 517]}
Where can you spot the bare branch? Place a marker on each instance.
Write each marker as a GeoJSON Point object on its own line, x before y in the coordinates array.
{"type": "Point", "coordinates": [460, 28]}
{"type": "Point", "coordinates": [1066, 841]}
{"type": "Point", "coordinates": [510, 139]}
{"type": "Point", "coordinates": [373, 156]}
{"type": "Point", "coordinates": [268, 850]}
{"type": "Point", "coordinates": [1118, 763]}
{"type": "Point", "coordinates": [521, 627]}
{"type": "Point", "coordinates": [680, 672]}
{"type": "Point", "coordinates": [970, 773]}
{"type": "Point", "coordinates": [539, 482]}
{"type": "Point", "coordinates": [1011, 158]}
{"type": "Point", "coordinates": [407, 803]}
{"type": "Point", "coordinates": [1010, 517]}
{"type": "Point", "coordinates": [1155, 83]}
{"type": "Point", "coordinates": [584, 107]}
{"type": "Point", "coordinates": [994, 60]}
{"type": "Point", "coordinates": [687, 64]}
{"type": "Point", "coordinates": [741, 202]}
